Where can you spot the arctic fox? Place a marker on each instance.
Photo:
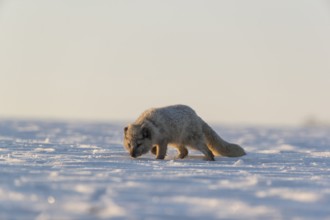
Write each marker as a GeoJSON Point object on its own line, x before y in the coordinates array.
{"type": "Point", "coordinates": [178, 126]}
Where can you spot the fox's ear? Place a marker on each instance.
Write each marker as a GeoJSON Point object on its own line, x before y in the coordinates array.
{"type": "Point", "coordinates": [125, 129]}
{"type": "Point", "coordinates": [146, 133]}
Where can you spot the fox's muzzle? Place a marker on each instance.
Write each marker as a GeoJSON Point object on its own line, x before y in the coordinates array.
{"type": "Point", "coordinates": [133, 153]}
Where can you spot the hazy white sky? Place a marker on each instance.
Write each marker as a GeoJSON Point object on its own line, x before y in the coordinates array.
{"type": "Point", "coordinates": [233, 61]}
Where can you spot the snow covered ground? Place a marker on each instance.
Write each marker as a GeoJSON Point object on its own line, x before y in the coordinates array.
{"type": "Point", "coordinates": [72, 170]}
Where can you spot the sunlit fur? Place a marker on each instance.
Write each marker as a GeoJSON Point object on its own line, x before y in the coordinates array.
{"type": "Point", "coordinates": [180, 127]}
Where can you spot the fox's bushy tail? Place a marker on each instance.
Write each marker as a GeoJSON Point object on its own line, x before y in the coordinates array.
{"type": "Point", "coordinates": [218, 146]}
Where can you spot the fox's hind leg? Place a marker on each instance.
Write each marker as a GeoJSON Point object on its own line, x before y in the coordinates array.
{"type": "Point", "coordinates": [197, 142]}
{"type": "Point", "coordinates": [208, 154]}
{"type": "Point", "coordinates": [204, 149]}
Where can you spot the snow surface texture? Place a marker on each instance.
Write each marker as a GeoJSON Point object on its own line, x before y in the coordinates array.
{"type": "Point", "coordinates": [53, 170]}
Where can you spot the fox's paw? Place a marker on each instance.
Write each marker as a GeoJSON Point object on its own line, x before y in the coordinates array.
{"type": "Point", "coordinates": [160, 157]}
{"type": "Point", "coordinates": [182, 154]}
{"type": "Point", "coordinates": [208, 158]}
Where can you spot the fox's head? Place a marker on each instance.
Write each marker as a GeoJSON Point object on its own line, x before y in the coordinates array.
{"type": "Point", "coordinates": [137, 139]}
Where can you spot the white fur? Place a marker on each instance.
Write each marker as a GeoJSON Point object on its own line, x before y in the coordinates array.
{"type": "Point", "coordinates": [179, 126]}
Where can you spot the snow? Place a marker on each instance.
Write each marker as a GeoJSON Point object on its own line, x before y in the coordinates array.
{"type": "Point", "coordinates": [74, 170]}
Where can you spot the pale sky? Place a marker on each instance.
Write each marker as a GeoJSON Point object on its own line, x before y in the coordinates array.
{"type": "Point", "coordinates": [233, 61]}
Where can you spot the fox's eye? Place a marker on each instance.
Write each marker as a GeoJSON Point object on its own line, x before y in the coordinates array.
{"type": "Point", "coordinates": [138, 145]}
{"type": "Point", "coordinates": [129, 145]}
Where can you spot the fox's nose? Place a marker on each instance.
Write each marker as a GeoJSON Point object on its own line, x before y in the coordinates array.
{"type": "Point", "coordinates": [133, 154]}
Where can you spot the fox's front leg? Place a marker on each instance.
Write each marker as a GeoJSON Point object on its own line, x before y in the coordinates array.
{"type": "Point", "coordinates": [154, 150]}
{"type": "Point", "coordinates": [161, 151]}
{"type": "Point", "coordinates": [183, 152]}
